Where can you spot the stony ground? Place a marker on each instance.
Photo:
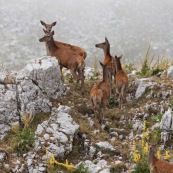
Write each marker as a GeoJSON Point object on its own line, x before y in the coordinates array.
{"type": "Point", "coordinates": [112, 141]}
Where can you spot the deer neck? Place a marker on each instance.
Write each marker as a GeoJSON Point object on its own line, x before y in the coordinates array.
{"type": "Point", "coordinates": [151, 157]}
{"type": "Point", "coordinates": [51, 47]}
{"type": "Point", "coordinates": [47, 50]}
{"type": "Point", "coordinates": [107, 52]}
{"type": "Point", "coordinates": [106, 77]}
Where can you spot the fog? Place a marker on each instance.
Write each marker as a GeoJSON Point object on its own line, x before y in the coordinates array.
{"type": "Point", "coordinates": [129, 25]}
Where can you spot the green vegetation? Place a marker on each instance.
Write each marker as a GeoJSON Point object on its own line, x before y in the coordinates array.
{"type": "Point", "coordinates": [81, 169]}
{"type": "Point", "coordinates": [150, 68]}
{"type": "Point", "coordinates": [112, 101]}
{"type": "Point", "coordinates": [25, 139]}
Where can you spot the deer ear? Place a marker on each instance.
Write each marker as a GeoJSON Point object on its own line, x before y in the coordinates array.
{"type": "Point", "coordinates": [53, 24]}
{"type": "Point", "coordinates": [106, 40]}
{"type": "Point", "coordinates": [116, 57]}
{"type": "Point", "coordinates": [44, 31]}
{"type": "Point", "coordinates": [42, 23]}
{"type": "Point", "coordinates": [52, 32]}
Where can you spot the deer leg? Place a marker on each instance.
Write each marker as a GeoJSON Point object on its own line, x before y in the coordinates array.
{"type": "Point", "coordinates": [62, 77]}
{"type": "Point", "coordinates": [121, 101]}
{"type": "Point", "coordinates": [75, 76]}
{"type": "Point", "coordinates": [82, 78]}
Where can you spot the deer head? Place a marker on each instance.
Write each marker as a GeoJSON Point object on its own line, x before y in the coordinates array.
{"type": "Point", "coordinates": [105, 45]}
{"type": "Point", "coordinates": [47, 37]}
{"type": "Point", "coordinates": [48, 27]}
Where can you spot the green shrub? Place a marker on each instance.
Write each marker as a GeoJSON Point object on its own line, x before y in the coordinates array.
{"type": "Point", "coordinates": [112, 101]}
{"type": "Point", "coordinates": [25, 139]}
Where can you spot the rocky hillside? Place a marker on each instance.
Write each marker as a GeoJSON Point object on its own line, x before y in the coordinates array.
{"type": "Point", "coordinates": [62, 126]}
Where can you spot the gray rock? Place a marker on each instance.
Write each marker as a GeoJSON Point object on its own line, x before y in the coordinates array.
{"type": "Point", "coordinates": [170, 71]}
{"type": "Point", "coordinates": [166, 121]}
{"type": "Point", "coordinates": [138, 125]}
{"type": "Point", "coordinates": [31, 89]}
{"type": "Point", "coordinates": [143, 84]}
{"type": "Point", "coordinates": [96, 168]}
{"type": "Point", "coordinates": [105, 145]}
{"type": "Point", "coordinates": [58, 141]}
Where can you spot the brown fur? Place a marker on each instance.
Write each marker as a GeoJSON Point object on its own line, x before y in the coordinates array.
{"type": "Point", "coordinates": [100, 93]}
{"type": "Point", "coordinates": [66, 58]}
{"type": "Point", "coordinates": [156, 165]}
{"type": "Point", "coordinates": [76, 49]}
{"type": "Point", "coordinates": [121, 81]}
{"type": "Point", "coordinates": [108, 59]}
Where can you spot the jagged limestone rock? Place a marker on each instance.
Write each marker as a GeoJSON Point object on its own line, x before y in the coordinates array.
{"type": "Point", "coordinates": [143, 84]}
{"type": "Point", "coordinates": [101, 165]}
{"type": "Point", "coordinates": [166, 125]}
{"type": "Point", "coordinates": [167, 121]}
{"type": "Point", "coordinates": [39, 82]}
{"type": "Point", "coordinates": [29, 90]}
{"type": "Point", "coordinates": [55, 134]}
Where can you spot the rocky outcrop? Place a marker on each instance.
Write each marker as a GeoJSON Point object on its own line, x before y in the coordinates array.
{"type": "Point", "coordinates": [29, 90]}
{"type": "Point", "coordinates": [166, 125]}
{"type": "Point", "coordinates": [143, 84]}
{"type": "Point", "coordinates": [56, 135]}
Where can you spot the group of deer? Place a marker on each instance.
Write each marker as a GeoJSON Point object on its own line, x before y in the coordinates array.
{"type": "Point", "coordinates": [101, 92]}
{"type": "Point", "coordinates": [73, 58]}
{"type": "Point", "coordinates": [69, 56]}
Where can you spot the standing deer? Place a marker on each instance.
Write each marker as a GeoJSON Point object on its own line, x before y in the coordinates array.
{"type": "Point", "coordinates": [100, 93]}
{"type": "Point", "coordinates": [73, 48]}
{"type": "Point", "coordinates": [121, 81]}
{"type": "Point", "coordinates": [108, 59]}
{"type": "Point", "coordinates": [66, 58]}
{"type": "Point", "coordinates": [156, 165]}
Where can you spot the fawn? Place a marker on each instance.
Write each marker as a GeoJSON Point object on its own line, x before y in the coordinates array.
{"type": "Point", "coordinates": [66, 58]}
{"type": "Point", "coordinates": [76, 49]}
{"type": "Point", "coordinates": [100, 93]}
{"type": "Point", "coordinates": [121, 81]}
{"type": "Point", "coordinates": [156, 165]}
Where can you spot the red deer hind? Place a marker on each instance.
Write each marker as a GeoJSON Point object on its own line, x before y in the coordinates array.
{"type": "Point", "coordinates": [121, 81]}
{"type": "Point", "coordinates": [108, 59]}
{"type": "Point", "coordinates": [66, 58]}
{"type": "Point", "coordinates": [100, 93]}
{"type": "Point", "coordinates": [76, 49]}
{"type": "Point", "coordinates": [156, 165]}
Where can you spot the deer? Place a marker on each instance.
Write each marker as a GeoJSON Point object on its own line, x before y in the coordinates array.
{"type": "Point", "coordinates": [66, 58]}
{"type": "Point", "coordinates": [156, 165]}
{"type": "Point", "coordinates": [76, 49]}
{"type": "Point", "coordinates": [108, 58]}
{"type": "Point", "coordinates": [121, 81]}
{"type": "Point", "coordinates": [100, 93]}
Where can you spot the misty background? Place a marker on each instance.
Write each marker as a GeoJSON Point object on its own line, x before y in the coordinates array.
{"type": "Point", "coordinates": [129, 25]}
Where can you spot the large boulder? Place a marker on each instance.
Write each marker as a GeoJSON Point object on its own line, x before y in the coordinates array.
{"type": "Point", "coordinates": [39, 82]}
{"type": "Point", "coordinates": [29, 90]}
{"type": "Point", "coordinates": [56, 135]}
